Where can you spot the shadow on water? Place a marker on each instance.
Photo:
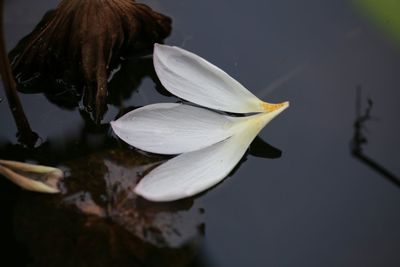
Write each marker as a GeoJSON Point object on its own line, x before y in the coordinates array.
{"type": "Point", "coordinates": [359, 140]}
{"type": "Point", "coordinates": [261, 149]}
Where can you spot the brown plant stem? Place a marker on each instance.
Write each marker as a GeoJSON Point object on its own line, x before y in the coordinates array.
{"type": "Point", "coordinates": [25, 134]}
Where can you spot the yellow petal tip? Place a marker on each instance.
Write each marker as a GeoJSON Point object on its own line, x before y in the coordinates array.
{"type": "Point", "coordinates": [268, 107]}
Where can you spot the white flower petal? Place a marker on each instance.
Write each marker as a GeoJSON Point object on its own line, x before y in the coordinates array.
{"type": "Point", "coordinates": [194, 79]}
{"type": "Point", "coordinates": [168, 128]}
{"type": "Point", "coordinates": [194, 172]}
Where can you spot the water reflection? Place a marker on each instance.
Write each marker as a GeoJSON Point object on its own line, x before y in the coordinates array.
{"type": "Point", "coordinates": [129, 77]}
{"type": "Point", "coordinates": [123, 82]}
{"type": "Point", "coordinates": [359, 139]}
{"type": "Point", "coordinates": [99, 221]}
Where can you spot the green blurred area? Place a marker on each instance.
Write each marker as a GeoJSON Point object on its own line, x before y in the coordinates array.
{"type": "Point", "coordinates": [386, 13]}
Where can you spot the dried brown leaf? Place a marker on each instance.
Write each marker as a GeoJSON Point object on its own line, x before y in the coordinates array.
{"type": "Point", "coordinates": [85, 39]}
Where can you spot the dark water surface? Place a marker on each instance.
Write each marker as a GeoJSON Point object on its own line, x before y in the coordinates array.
{"type": "Point", "coordinates": [317, 204]}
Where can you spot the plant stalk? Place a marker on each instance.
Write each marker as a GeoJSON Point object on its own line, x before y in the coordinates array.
{"type": "Point", "coordinates": [25, 134]}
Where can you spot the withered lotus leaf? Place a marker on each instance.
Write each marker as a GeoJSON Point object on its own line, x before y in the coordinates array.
{"type": "Point", "coordinates": [84, 40]}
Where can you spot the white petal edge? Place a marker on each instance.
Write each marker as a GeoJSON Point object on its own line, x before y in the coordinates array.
{"type": "Point", "coordinates": [191, 173]}
{"type": "Point", "coordinates": [194, 79]}
{"type": "Point", "coordinates": [172, 128]}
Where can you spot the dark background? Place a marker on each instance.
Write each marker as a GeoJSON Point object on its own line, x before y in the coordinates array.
{"type": "Point", "coordinates": [316, 205]}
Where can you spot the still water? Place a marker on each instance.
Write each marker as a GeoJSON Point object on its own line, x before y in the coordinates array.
{"type": "Point", "coordinates": [309, 202]}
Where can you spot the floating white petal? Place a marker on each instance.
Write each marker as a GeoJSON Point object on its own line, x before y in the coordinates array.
{"type": "Point", "coordinates": [194, 79]}
{"type": "Point", "coordinates": [168, 128]}
{"type": "Point", "coordinates": [194, 172]}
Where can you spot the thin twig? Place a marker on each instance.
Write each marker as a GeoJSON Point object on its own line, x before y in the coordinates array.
{"type": "Point", "coordinates": [359, 140]}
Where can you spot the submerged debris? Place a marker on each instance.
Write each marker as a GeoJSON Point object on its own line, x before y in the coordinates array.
{"type": "Point", "coordinates": [81, 41]}
{"type": "Point", "coordinates": [98, 220]}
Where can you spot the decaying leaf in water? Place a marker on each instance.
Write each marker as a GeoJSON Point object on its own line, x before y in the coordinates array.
{"type": "Point", "coordinates": [83, 40]}
{"type": "Point", "coordinates": [32, 177]}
